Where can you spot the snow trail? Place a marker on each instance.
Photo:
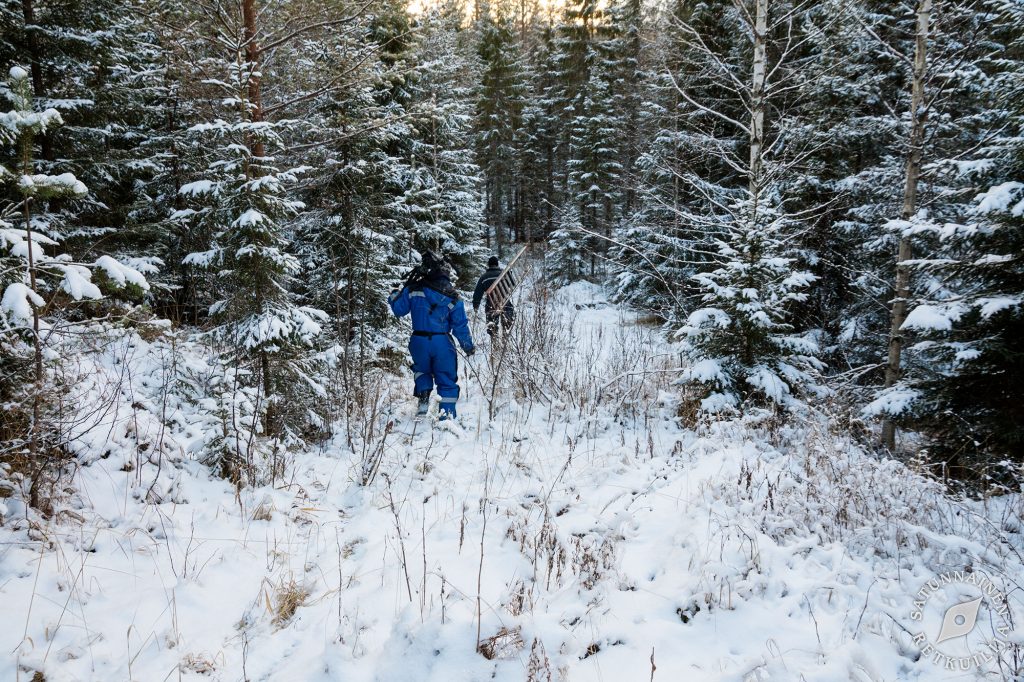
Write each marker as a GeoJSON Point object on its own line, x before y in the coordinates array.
{"type": "Point", "coordinates": [589, 528]}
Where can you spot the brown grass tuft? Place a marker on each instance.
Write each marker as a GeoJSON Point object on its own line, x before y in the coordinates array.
{"type": "Point", "coordinates": [289, 596]}
{"type": "Point", "coordinates": [504, 645]}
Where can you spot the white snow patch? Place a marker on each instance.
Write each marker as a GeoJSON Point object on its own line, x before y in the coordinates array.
{"type": "Point", "coordinates": [583, 294]}
{"type": "Point", "coordinates": [769, 382]}
{"type": "Point", "coordinates": [46, 186]}
{"type": "Point", "coordinates": [991, 305]}
{"type": "Point", "coordinates": [932, 317]}
{"type": "Point", "coordinates": [1003, 198]}
{"type": "Point", "coordinates": [120, 273]}
{"type": "Point", "coordinates": [706, 371]}
{"type": "Point", "coordinates": [77, 282]}
{"type": "Point", "coordinates": [719, 403]}
{"type": "Point", "coordinates": [249, 217]}
{"type": "Point", "coordinates": [17, 302]}
{"type": "Point", "coordinates": [199, 187]}
{"type": "Point", "coordinates": [711, 317]}
{"type": "Point", "coordinates": [892, 402]}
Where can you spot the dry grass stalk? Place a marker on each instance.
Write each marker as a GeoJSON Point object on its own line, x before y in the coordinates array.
{"type": "Point", "coordinates": [503, 645]}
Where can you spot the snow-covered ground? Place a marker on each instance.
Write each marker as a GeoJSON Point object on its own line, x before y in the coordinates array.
{"type": "Point", "coordinates": [571, 524]}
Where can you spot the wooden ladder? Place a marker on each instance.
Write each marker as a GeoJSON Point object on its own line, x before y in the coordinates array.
{"type": "Point", "coordinates": [501, 289]}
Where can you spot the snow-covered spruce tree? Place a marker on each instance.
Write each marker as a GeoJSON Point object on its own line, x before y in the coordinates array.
{"type": "Point", "coordinates": [572, 60]}
{"type": "Point", "coordinates": [853, 178]}
{"type": "Point", "coordinates": [743, 349]}
{"type": "Point", "coordinates": [242, 208]}
{"type": "Point", "coordinates": [595, 167]}
{"type": "Point", "coordinates": [353, 238]}
{"type": "Point", "coordinates": [499, 128]}
{"type": "Point", "coordinates": [353, 251]}
{"type": "Point", "coordinates": [666, 239]}
{"type": "Point", "coordinates": [537, 168]}
{"type": "Point", "coordinates": [147, 98]}
{"type": "Point", "coordinates": [95, 63]}
{"type": "Point", "coordinates": [972, 331]}
{"type": "Point", "coordinates": [36, 284]}
{"type": "Point", "coordinates": [688, 158]}
{"type": "Point", "coordinates": [564, 260]}
{"type": "Point", "coordinates": [623, 55]}
{"type": "Point", "coordinates": [442, 195]}
{"type": "Point", "coordinates": [589, 103]}
{"type": "Point", "coordinates": [822, 118]}
{"type": "Point", "coordinates": [653, 266]}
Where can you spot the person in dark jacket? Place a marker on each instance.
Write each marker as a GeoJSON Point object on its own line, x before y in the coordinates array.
{"type": "Point", "coordinates": [494, 318]}
{"type": "Point", "coordinates": [430, 299]}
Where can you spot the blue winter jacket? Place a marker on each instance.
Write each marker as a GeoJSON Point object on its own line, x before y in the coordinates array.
{"type": "Point", "coordinates": [433, 312]}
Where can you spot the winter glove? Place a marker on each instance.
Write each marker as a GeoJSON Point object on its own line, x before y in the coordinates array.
{"type": "Point", "coordinates": [395, 293]}
{"type": "Point", "coordinates": [470, 351]}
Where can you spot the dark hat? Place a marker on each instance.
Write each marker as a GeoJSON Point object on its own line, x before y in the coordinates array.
{"type": "Point", "coordinates": [492, 262]}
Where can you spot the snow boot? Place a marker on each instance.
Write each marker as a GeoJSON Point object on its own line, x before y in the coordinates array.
{"type": "Point", "coordinates": [424, 403]}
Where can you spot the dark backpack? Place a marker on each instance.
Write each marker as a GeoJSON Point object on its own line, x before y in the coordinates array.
{"type": "Point", "coordinates": [432, 273]}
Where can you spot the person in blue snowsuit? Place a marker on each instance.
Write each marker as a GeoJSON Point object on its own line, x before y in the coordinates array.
{"type": "Point", "coordinates": [430, 299]}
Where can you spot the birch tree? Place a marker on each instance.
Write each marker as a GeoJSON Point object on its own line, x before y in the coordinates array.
{"type": "Point", "coordinates": [744, 348]}
{"type": "Point", "coordinates": [966, 309]}
{"type": "Point", "coordinates": [939, 60]}
{"type": "Point", "coordinates": [918, 121]}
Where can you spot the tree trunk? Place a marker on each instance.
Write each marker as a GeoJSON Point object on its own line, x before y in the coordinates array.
{"type": "Point", "coordinates": [25, 152]}
{"type": "Point", "coordinates": [35, 67]}
{"type": "Point", "coordinates": [252, 56]}
{"type": "Point", "coordinates": [499, 217]}
{"type": "Point", "coordinates": [918, 119]}
{"type": "Point", "coordinates": [488, 212]}
{"type": "Point", "coordinates": [549, 188]}
{"type": "Point", "coordinates": [37, 344]}
{"type": "Point", "coordinates": [270, 420]}
{"type": "Point", "coordinates": [757, 89]}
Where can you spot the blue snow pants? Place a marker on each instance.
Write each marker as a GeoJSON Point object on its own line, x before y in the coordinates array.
{"type": "Point", "coordinates": [434, 362]}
